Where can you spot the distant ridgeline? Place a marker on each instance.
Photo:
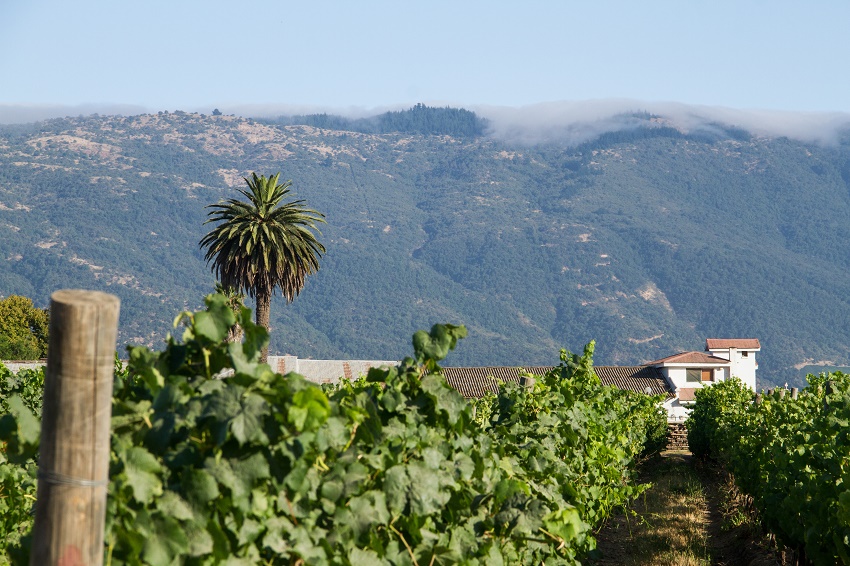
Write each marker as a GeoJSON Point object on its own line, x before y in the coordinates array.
{"type": "Point", "coordinates": [420, 119]}
{"type": "Point", "coordinates": [646, 239]}
{"type": "Point", "coordinates": [458, 122]}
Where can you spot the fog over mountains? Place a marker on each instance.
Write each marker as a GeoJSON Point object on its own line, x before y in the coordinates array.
{"type": "Point", "coordinates": [578, 122]}
{"type": "Point", "coordinates": [645, 227]}
{"type": "Point", "coordinates": [570, 122]}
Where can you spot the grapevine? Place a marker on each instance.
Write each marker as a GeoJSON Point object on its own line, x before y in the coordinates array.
{"type": "Point", "coordinates": [791, 455]}
{"type": "Point", "coordinates": [217, 459]}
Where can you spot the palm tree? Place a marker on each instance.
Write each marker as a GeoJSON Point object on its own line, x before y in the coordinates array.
{"type": "Point", "coordinates": [264, 244]}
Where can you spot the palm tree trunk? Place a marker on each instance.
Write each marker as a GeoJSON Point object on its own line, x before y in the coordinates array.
{"type": "Point", "coordinates": [264, 299]}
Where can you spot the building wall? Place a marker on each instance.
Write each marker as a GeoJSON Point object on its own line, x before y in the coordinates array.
{"type": "Point", "coordinates": [744, 367]}
{"type": "Point", "coordinates": [744, 364]}
{"type": "Point", "coordinates": [677, 377]}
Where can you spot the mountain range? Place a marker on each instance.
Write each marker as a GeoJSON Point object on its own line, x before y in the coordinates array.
{"type": "Point", "coordinates": [648, 238]}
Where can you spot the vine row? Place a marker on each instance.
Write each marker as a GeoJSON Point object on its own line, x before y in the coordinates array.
{"type": "Point", "coordinates": [393, 468]}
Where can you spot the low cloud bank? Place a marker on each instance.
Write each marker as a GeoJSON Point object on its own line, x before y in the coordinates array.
{"type": "Point", "coordinates": [276, 110]}
{"type": "Point", "coordinates": [25, 114]}
{"type": "Point", "coordinates": [577, 122]}
{"type": "Point", "coordinates": [21, 114]}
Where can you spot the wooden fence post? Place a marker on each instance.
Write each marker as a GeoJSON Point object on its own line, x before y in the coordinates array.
{"type": "Point", "coordinates": [73, 466]}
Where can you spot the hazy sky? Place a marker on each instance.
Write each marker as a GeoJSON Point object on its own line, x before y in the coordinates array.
{"type": "Point", "coordinates": [365, 54]}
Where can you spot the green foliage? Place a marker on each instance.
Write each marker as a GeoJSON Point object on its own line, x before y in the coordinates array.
{"type": "Point", "coordinates": [236, 302]}
{"type": "Point", "coordinates": [17, 504]}
{"type": "Point", "coordinates": [27, 384]}
{"type": "Point", "coordinates": [571, 435]}
{"type": "Point", "coordinates": [23, 329]}
{"type": "Point", "coordinates": [21, 397]}
{"type": "Point", "coordinates": [20, 410]}
{"type": "Point", "coordinates": [257, 467]}
{"type": "Point", "coordinates": [715, 405]}
{"type": "Point", "coordinates": [791, 456]}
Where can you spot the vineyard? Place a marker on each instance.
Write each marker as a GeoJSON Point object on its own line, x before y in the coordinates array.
{"type": "Point", "coordinates": [215, 459]}
{"type": "Point", "coordinates": [790, 454]}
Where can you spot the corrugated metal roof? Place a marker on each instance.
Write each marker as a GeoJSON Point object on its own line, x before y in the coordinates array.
{"type": "Point", "coordinates": [476, 381]}
{"type": "Point", "coordinates": [726, 343]}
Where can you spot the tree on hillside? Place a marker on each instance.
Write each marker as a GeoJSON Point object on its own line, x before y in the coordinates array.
{"type": "Point", "coordinates": [265, 244]}
{"type": "Point", "coordinates": [23, 329]}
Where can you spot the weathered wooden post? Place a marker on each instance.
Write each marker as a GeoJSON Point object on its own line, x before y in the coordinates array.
{"type": "Point", "coordinates": [73, 466]}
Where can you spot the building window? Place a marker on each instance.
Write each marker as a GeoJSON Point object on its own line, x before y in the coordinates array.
{"type": "Point", "coordinates": [699, 375]}
{"type": "Point", "coordinates": [745, 354]}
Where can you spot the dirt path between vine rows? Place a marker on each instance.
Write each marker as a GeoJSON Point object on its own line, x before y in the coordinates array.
{"type": "Point", "coordinates": [685, 519]}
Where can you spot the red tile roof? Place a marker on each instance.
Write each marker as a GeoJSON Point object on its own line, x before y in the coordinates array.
{"type": "Point", "coordinates": [726, 343]}
{"type": "Point", "coordinates": [475, 381]}
{"type": "Point", "coordinates": [689, 358]}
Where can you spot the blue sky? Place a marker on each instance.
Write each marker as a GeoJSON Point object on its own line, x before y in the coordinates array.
{"type": "Point", "coordinates": [351, 56]}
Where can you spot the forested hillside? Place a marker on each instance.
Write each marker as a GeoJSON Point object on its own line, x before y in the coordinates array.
{"type": "Point", "coordinates": [646, 240]}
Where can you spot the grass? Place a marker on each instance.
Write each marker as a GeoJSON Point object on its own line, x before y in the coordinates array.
{"type": "Point", "coordinates": [667, 526]}
{"type": "Point", "coordinates": [693, 515]}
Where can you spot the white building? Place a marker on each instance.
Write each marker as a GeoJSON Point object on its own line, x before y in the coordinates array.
{"type": "Point", "coordinates": [688, 371]}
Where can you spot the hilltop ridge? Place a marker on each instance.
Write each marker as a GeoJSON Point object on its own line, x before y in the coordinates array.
{"type": "Point", "coordinates": [648, 240]}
